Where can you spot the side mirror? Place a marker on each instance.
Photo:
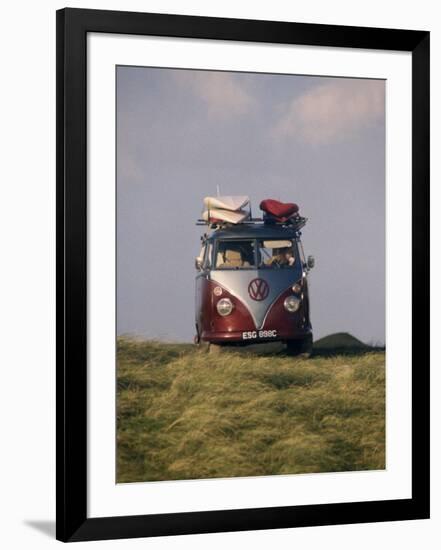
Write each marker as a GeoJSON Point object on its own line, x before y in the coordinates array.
{"type": "Point", "coordinates": [310, 262]}
{"type": "Point", "coordinates": [198, 264]}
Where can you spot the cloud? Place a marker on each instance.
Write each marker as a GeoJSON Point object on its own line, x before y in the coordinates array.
{"type": "Point", "coordinates": [333, 111]}
{"type": "Point", "coordinates": [222, 93]}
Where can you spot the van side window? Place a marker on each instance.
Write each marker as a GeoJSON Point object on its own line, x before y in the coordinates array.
{"type": "Point", "coordinates": [208, 254]}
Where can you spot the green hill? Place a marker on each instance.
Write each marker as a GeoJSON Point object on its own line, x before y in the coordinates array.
{"type": "Point", "coordinates": [183, 413]}
{"type": "Point", "coordinates": [340, 340]}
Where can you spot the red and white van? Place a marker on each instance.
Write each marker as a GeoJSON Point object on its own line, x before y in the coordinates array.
{"type": "Point", "coordinates": [251, 285]}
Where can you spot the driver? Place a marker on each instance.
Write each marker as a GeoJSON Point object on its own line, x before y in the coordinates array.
{"type": "Point", "coordinates": [283, 257]}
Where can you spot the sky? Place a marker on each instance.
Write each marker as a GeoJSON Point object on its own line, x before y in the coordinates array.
{"type": "Point", "coordinates": [316, 141]}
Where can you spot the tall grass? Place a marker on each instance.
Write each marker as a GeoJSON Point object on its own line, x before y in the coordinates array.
{"type": "Point", "coordinates": [186, 414]}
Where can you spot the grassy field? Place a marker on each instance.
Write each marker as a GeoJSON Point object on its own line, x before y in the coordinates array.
{"type": "Point", "coordinates": [183, 413]}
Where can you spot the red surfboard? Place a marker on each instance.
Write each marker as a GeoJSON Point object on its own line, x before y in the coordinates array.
{"type": "Point", "coordinates": [281, 211]}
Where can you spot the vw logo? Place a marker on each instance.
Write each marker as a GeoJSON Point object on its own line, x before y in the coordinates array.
{"type": "Point", "coordinates": [258, 289]}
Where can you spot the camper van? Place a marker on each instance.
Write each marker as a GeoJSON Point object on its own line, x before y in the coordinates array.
{"type": "Point", "coordinates": [252, 281]}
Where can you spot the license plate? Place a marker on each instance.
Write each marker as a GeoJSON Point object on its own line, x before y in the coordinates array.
{"type": "Point", "coordinates": [253, 334]}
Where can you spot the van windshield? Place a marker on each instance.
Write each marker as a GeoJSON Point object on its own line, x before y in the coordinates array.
{"type": "Point", "coordinates": [243, 254]}
{"type": "Point", "coordinates": [276, 254]}
{"type": "Point", "coordinates": [235, 254]}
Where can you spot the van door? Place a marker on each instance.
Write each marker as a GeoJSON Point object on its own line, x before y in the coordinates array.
{"type": "Point", "coordinates": [201, 282]}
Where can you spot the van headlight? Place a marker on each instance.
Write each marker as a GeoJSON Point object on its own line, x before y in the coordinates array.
{"type": "Point", "coordinates": [224, 307]}
{"type": "Point", "coordinates": [291, 304]}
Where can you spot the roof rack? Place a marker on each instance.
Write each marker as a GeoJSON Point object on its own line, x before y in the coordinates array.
{"type": "Point", "coordinates": [296, 223]}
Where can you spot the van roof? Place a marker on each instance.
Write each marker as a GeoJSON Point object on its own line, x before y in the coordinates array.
{"type": "Point", "coordinates": [255, 231]}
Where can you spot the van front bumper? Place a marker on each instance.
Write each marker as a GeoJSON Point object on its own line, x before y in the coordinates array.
{"type": "Point", "coordinates": [255, 336]}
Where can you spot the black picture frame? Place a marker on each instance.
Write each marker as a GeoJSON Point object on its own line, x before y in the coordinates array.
{"type": "Point", "coordinates": [71, 427]}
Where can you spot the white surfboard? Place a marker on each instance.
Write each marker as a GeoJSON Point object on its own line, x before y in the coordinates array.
{"type": "Point", "coordinates": [232, 203]}
{"type": "Point", "coordinates": [229, 216]}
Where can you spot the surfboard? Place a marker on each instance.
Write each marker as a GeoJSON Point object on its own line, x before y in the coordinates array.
{"type": "Point", "coordinates": [221, 215]}
{"type": "Point", "coordinates": [233, 203]}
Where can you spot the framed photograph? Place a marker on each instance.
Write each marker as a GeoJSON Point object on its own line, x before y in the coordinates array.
{"type": "Point", "coordinates": [242, 274]}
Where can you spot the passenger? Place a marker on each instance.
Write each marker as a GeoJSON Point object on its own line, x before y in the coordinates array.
{"type": "Point", "coordinates": [247, 253]}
